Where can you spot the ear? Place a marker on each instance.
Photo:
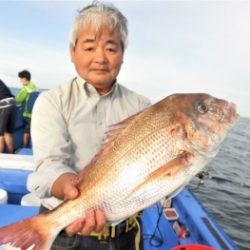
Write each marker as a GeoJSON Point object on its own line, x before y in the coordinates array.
{"type": "Point", "coordinates": [72, 53]}
{"type": "Point", "coordinates": [122, 58]}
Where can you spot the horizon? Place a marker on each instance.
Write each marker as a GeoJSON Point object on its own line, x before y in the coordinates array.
{"type": "Point", "coordinates": [174, 46]}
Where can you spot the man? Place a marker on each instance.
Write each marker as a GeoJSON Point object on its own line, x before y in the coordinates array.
{"type": "Point", "coordinates": [22, 98]}
{"type": "Point", "coordinates": [7, 118]}
{"type": "Point", "coordinates": [69, 123]}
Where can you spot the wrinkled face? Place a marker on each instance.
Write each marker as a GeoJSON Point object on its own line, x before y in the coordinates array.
{"type": "Point", "coordinates": [98, 57]}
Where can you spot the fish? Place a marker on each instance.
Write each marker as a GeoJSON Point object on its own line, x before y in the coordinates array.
{"type": "Point", "coordinates": [144, 158]}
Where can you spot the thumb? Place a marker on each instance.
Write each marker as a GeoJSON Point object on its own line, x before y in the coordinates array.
{"type": "Point", "coordinates": [71, 191]}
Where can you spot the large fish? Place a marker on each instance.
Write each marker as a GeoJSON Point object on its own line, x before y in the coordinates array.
{"type": "Point", "coordinates": [146, 157]}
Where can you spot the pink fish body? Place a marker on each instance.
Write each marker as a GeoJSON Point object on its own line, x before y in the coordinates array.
{"type": "Point", "coordinates": [146, 157]}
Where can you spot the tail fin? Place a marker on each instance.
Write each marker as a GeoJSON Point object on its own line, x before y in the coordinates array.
{"type": "Point", "coordinates": [27, 233]}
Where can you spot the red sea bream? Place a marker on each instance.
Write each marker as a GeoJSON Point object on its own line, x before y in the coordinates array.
{"type": "Point", "coordinates": [145, 158]}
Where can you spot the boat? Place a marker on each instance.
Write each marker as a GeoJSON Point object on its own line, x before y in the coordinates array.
{"type": "Point", "coordinates": [181, 223]}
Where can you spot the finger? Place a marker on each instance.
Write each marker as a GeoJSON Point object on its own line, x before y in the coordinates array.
{"type": "Point", "coordinates": [80, 175]}
{"type": "Point", "coordinates": [75, 227]}
{"type": "Point", "coordinates": [71, 192]}
{"type": "Point", "coordinates": [100, 220]}
{"type": "Point", "coordinates": [89, 224]}
{"type": "Point", "coordinates": [76, 181]}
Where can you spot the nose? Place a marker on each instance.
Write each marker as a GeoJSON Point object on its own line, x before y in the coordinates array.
{"type": "Point", "coordinates": [100, 56]}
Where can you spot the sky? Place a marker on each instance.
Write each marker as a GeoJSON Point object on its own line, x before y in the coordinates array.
{"type": "Point", "coordinates": [174, 46]}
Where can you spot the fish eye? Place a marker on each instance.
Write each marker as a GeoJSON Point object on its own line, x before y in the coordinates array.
{"type": "Point", "coordinates": [202, 107]}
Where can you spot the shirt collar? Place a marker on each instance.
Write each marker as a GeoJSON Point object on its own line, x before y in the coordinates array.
{"type": "Point", "coordinates": [90, 90]}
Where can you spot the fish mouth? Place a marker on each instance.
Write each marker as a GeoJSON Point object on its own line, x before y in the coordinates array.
{"type": "Point", "coordinates": [231, 116]}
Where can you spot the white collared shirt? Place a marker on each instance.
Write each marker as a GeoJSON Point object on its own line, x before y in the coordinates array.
{"type": "Point", "coordinates": [68, 127]}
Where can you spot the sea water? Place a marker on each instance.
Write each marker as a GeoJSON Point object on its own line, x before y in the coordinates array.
{"type": "Point", "coordinates": [226, 201]}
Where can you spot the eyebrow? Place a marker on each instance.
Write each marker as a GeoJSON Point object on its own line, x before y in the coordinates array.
{"type": "Point", "coordinates": [89, 40]}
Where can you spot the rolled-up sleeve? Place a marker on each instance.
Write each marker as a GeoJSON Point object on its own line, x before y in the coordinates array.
{"type": "Point", "coordinates": [51, 144]}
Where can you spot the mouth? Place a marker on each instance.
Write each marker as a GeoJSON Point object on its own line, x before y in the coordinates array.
{"type": "Point", "coordinates": [100, 70]}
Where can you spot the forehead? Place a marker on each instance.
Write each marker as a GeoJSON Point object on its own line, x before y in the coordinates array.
{"type": "Point", "coordinates": [104, 32]}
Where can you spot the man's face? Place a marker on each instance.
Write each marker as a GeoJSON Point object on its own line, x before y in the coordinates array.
{"type": "Point", "coordinates": [98, 58]}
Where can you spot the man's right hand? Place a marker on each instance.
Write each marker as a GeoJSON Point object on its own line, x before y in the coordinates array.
{"type": "Point", "coordinates": [66, 187]}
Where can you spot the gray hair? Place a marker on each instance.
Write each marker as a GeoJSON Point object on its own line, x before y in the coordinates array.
{"type": "Point", "coordinates": [98, 15]}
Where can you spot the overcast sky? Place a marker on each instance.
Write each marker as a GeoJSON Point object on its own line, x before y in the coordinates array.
{"type": "Point", "coordinates": [174, 46]}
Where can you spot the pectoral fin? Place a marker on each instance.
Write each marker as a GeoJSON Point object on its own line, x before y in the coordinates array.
{"type": "Point", "coordinates": [168, 170]}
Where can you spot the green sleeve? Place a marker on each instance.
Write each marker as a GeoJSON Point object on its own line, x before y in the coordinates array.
{"type": "Point", "coordinates": [22, 95]}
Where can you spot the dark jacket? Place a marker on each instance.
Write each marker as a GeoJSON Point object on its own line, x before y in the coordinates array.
{"type": "Point", "coordinates": [4, 91]}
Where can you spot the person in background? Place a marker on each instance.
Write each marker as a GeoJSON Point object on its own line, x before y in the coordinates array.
{"type": "Point", "coordinates": [70, 121]}
{"type": "Point", "coordinates": [22, 98]}
{"type": "Point", "coordinates": [7, 118]}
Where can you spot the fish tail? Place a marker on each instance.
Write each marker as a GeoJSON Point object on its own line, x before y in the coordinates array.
{"type": "Point", "coordinates": [31, 232]}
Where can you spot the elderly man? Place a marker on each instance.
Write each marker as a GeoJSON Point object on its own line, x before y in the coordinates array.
{"type": "Point", "coordinates": [69, 124]}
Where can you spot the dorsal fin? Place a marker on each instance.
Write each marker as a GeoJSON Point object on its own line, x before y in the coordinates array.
{"type": "Point", "coordinates": [115, 129]}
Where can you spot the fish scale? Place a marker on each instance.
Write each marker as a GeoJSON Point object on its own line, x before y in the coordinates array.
{"type": "Point", "coordinates": [145, 158]}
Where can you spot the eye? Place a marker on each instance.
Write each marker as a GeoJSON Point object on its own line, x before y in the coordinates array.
{"type": "Point", "coordinates": [111, 49]}
{"type": "Point", "coordinates": [202, 107]}
{"type": "Point", "coordinates": [88, 49]}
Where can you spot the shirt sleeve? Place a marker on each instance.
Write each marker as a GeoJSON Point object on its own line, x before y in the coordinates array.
{"type": "Point", "coordinates": [145, 103]}
{"type": "Point", "coordinates": [51, 144]}
{"type": "Point", "coordinates": [22, 95]}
